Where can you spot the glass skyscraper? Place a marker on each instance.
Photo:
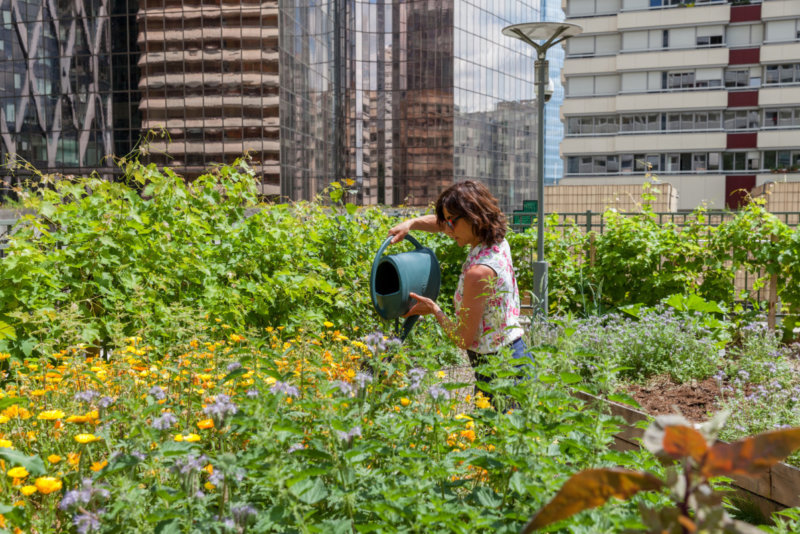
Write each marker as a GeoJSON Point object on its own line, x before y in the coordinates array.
{"type": "Point", "coordinates": [405, 97]}
{"type": "Point", "coordinates": [398, 98]}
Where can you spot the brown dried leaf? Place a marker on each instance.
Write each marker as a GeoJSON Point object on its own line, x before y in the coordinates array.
{"type": "Point", "coordinates": [750, 455]}
{"type": "Point", "coordinates": [590, 489]}
{"type": "Point", "coordinates": [683, 441]}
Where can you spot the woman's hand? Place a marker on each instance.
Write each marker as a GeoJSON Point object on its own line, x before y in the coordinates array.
{"type": "Point", "coordinates": [400, 231]}
{"type": "Point", "coordinates": [423, 306]}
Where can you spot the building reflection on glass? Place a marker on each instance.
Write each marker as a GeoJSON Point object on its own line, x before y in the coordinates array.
{"type": "Point", "coordinates": [399, 98]}
{"type": "Point", "coordinates": [429, 92]}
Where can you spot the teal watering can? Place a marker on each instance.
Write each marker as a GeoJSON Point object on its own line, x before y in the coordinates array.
{"type": "Point", "coordinates": [396, 275]}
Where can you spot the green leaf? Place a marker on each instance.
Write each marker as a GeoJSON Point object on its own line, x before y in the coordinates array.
{"type": "Point", "coordinates": [33, 464]}
{"type": "Point", "coordinates": [487, 497]}
{"type": "Point", "coordinates": [570, 378]}
{"type": "Point", "coordinates": [7, 331]}
{"type": "Point", "coordinates": [310, 490]}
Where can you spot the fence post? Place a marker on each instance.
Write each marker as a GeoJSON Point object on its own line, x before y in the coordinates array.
{"type": "Point", "coordinates": [588, 221]}
{"type": "Point", "coordinates": [773, 294]}
{"type": "Point", "coordinates": [591, 249]}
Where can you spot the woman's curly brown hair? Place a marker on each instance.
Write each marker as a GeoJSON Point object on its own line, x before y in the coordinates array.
{"type": "Point", "coordinates": [473, 201]}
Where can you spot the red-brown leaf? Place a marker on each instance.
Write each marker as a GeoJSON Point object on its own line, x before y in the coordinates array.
{"type": "Point", "coordinates": [682, 441]}
{"type": "Point", "coordinates": [590, 489]}
{"type": "Point", "coordinates": [751, 455]}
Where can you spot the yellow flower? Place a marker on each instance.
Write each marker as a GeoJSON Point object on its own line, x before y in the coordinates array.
{"type": "Point", "coordinates": [18, 472]}
{"type": "Point", "coordinates": [97, 466]}
{"type": "Point", "coordinates": [328, 324]}
{"type": "Point", "coordinates": [54, 458]}
{"type": "Point", "coordinates": [209, 486]}
{"type": "Point", "coordinates": [482, 402]}
{"type": "Point", "coordinates": [209, 469]}
{"type": "Point", "coordinates": [205, 424]}
{"type": "Point", "coordinates": [86, 438]}
{"type": "Point", "coordinates": [191, 438]}
{"type": "Point", "coordinates": [3, 419]}
{"type": "Point", "coordinates": [47, 485]}
{"type": "Point", "coordinates": [405, 401]}
{"type": "Point", "coordinates": [50, 415]}
{"type": "Point", "coordinates": [27, 490]}
{"type": "Point", "coordinates": [6, 443]}
{"type": "Point", "coordinates": [440, 374]}
{"type": "Point", "coordinates": [178, 437]}
{"type": "Point", "coordinates": [73, 458]}
{"type": "Point", "coordinates": [4, 356]}
{"type": "Point", "coordinates": [16, 411]}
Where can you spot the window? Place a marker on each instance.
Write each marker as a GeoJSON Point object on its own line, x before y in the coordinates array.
{"type": "Point", "coordinates": [782, 74]}
{"type": "Point", "coordinates": [709, 40]}
{"type": "Point", "coordinates": [679, 80]}
{"type": "Point", "coordinates": [737, 77]}
{"type": "Point", "coordinates": [741, 120]}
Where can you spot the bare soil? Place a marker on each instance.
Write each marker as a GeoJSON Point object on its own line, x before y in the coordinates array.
{"type": "Point", "coordinates": [695, 400]}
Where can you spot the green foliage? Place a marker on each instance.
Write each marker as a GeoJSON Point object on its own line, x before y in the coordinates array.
{"type": "Point", "coordinates": [696, 506]}
{"type": "Point", "coordinates": [99, 261]}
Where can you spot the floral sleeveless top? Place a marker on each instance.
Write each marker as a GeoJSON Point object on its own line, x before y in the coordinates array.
{"type": "Point", "coordinates": [499, 325]}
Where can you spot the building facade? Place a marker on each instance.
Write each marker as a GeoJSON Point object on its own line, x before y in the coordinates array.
{"type": "Point", "coordinates": [397, 98]}
{"type": "Point", "coordinates": [704, 94]}
{"type": "Point", "coordinates": [410, 96]}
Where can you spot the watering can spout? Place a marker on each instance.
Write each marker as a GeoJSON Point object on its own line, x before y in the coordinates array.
{"type": "Point", "coordinates": [394, 276]}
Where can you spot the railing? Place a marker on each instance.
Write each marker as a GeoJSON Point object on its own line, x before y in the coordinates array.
{"type": "Point", "coordinates": [592, 221]}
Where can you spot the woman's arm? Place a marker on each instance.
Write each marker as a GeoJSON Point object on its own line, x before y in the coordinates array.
{"type": "Point", "coordinates": [464, 329]}
{"type": "Point", "coordinates": [425, 223]}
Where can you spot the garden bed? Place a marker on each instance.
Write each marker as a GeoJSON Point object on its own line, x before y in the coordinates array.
{"type": "Point", "coordinates": [777, 488]}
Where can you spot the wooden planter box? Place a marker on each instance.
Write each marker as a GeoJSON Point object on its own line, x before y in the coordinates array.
{"type": "Point", "coordinates": [776, 489]}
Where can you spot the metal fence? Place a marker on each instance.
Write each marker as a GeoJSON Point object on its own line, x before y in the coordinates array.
{"type": "Point", "coordinates": [593, 221]}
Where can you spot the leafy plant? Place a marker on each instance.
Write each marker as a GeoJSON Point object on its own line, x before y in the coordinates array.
{"type": "Point", "coordinates": [696, 506]}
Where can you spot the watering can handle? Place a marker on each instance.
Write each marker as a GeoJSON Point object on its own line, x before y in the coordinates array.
{"type": "Point", "coordinates": [385, 244]}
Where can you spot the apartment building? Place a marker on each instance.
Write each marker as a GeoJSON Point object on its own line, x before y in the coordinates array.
{"type": "Point", "coordinates": [705, 94]}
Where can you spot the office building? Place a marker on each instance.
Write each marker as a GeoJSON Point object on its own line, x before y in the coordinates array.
{"type": "Point", "coordinates": [704, 94]}
{"type": "Point", "coordinates": [399, 98]}
{"type": "Point", "coordinates": [405, 97]}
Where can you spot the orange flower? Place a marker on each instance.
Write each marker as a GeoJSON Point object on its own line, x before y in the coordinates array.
{"type": "Point", "coordinates": [47, 485]}
{"type": "Point", "coordinates": [205, 424]}
{"type": "Point", "coordinates": [54, 458]}
{"type": "Point", "coordinates": [97, 466]}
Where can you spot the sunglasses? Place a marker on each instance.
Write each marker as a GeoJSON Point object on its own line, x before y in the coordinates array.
{"type": "Point", "coordinates": [452, 221]}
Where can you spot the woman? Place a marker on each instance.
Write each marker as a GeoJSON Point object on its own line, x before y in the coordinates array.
{"type": "Point", "coordinates": [487, 298]}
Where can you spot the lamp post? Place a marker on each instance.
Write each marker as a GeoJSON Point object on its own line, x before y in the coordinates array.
{"type": "Point", "coordinates": [550, 34]}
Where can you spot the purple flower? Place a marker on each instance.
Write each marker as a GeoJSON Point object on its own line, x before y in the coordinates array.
{"type": "Point", "coordinates": [86, 396]}
{"type": "Point", "coordinates": [220, 409]}
{"type": "Point", "coordinates": [437, 392]}
{"type": "Point", "coordinates": [86, 522]}
{"type": "Point", "coordinates": [157, 393]}
{"type": "Point", "coordinates": [243, 514]}
{"type": "Point", "coordinates": [235, 366]}
{"type": "Point", "coordinates": [362, 379]}
{"type": "Point", "coordinates": [344, 387]}
{"type": "Point", "coordinates": [83, 496]}
{"type": "Point", "coordinates": [295, 447]}
{"type": "Point", "coordinates": [285, 388]}
{"type": "Point", "coordinates": [105, 402]}
{"type": "Point", "coordinates": [252, 393]}
{"type": "Point", "coordinates": [164, 422]}
{"type": "Point", "coordinates": [348, 436]}
{"type": "Point", "coordinates": [190, 464]}
{"type": "Point", "coordinates": [415, 377]}
{"type": "Point", "coordinates": [375, 342]}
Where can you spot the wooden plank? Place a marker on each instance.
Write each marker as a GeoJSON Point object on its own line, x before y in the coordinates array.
{"type": "Point", "coordinates": [785, 485]}
{"type": "Point", "coordinates": [775, 489]}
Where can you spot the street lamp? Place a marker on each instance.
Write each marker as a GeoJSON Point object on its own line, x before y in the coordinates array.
{"type": "Point", "coordinates": [551, 33]}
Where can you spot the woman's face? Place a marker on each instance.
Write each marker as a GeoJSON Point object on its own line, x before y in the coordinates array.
{"type": "Point", "coordinates": [460, 229]}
